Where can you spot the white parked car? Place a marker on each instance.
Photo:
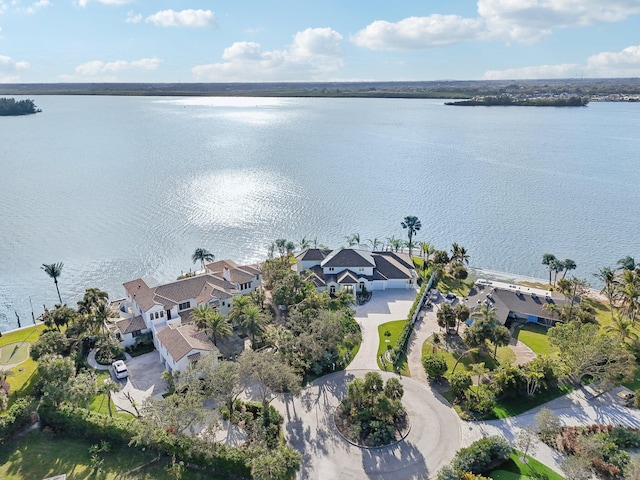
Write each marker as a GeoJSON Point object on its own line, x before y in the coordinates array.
{"type": "Point", "coordinates": [120, 369]}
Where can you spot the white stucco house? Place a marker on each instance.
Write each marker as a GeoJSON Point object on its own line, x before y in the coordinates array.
{"type": "Point", "coordinates": [354, 270]}
{"type": "Point", "coordinates": [165, 309]}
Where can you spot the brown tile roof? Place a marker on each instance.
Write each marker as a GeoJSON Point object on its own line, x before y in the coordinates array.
{"type": "Point", "coordinates": [141, 293]}
{"type": "Point", "coordinates": [129, 325]}
{"type": "Point", "coordinates": [218, 267]}
{"type": "Point", "coordinates": [180, 341]}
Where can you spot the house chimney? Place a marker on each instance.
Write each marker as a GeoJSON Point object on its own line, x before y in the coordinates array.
{"type": "Point", "coordinates": [226, 273]}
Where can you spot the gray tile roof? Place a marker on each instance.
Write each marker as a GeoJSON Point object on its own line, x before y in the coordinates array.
{"type": "Point", "coordinates": [349, 258]}
{"type": "Point", "coordinates": [312, 254]}
{"type": "Point", "coordinates": [392, 266]}
{"type": "Point", "coordinates": [347, 277]}
{"type": "Point", "coordinates": [508, 301]}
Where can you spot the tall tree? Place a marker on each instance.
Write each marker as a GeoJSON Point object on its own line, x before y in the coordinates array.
{"type": "Point", "coordinates": [412, 225]}
{"type": "Point", "coordinates": [627, 263]}
{"type": "Point", "coordinates": [375, 243]}
{"type": "Point", "coordinates": [54, 270]}
{"type": "Point", "coordinates": [202, 255]}
{"type": "Point", "coordinates": [91, 299]}
{"type": "Point", "coordinates": [462, 315]}
{"type": "Point", "coordinates": [253, 322]}
{"type": "Point", "coordinates": [568, 265]}
{"type": "Point", "coordinates": [304, 243]}
{"type": "Point", "coordinates": [610, 289]}
{"type": "Point", "coordinates": [446, 317]}
{"type": "Point", "coordinates": [548, 259]}
{"type": "Point", "coordinates": [501, 338]}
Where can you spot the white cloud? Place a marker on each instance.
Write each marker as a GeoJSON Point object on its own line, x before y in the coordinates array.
{"type": "Point", "coordinates": [10, 69]}
{"type": "Point", "coordinates": [35, 6]}
{"type": "Point", "coordinates": [97, 67]}
{"type": "Point", "coordinates": [602, 65]}
{"type": "Point", "coordinates": [531, 20]}
{"type": "Point", "coordinates": [314, 53]}
{"type": "Point", "coordinates": [185, 18]}
{"type": "Point", "coordinates": [83, 3]}
{"type": "Point", "coordinates": [133, 17]}
{"type": "Point", "coordinates": [510, 20]}
{"type": "Point", "coordinates": [418, 32]}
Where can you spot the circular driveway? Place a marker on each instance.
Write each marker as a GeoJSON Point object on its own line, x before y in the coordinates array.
{"type": "Point", "coordinates": [431, 443]}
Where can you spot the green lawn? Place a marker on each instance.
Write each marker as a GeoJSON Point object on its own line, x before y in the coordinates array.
{"type": "Point", "coordinates": [535, 337]}
{"type": "Point", "coordinates": [394, 329]}
{"type": "Point", "coordinates": [514, 469]}
{"type": "Point", "coordinates": [509, 407]}
{"type": "Point", "coordinates": [446, 284]}
{"type": "Point", "coordinates": [38, 455]}
{"type": "Point", "coordinates": [14, 353]}
{"type": "Point", "coordinates": [24, 375]}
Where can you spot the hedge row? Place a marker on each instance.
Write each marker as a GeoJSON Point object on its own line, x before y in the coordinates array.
{"type": "Point", "coordinates": [93, 426]}
{"type": "Point", "coordinates": [407, 330]}
{"type": "Point", "coordinates": [16, 417]}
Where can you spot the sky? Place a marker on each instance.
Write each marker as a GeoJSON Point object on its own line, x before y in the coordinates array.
{"type": "Point", "coordinates": [47, 41]}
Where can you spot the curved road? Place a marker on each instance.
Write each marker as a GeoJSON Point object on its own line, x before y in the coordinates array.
{"type": "Point", "coordinates": [431, 443]}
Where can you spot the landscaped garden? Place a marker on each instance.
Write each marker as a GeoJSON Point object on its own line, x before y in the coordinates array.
{"type": "Point", "coordinates": [388, 334]}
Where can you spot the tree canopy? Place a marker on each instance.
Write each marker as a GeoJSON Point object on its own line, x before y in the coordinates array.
{"type": "Point", "coordinates": [11, 107]}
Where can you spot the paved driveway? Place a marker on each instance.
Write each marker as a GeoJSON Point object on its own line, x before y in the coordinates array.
{"type": "Point", "coordinates": [145, 372]}
{"type": "Point", "coordinates": [432, 441]}
{"type": "Point", "coordinates": [384, 306]}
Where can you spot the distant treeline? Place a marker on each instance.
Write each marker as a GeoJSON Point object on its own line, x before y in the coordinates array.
{"type": "Point", "coordinates": [9, 106]}
{"type": "Point", "coordinates": [524, 102]}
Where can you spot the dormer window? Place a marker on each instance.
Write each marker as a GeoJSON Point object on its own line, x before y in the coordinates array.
{"type": "Point", "coordinates": [331, 269]}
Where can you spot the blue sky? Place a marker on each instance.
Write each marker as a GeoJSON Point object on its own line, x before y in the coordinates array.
{"type": "Point", "coordinates": [329, 40]}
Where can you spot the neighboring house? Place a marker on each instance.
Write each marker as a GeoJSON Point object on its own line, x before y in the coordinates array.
{"type": "Point", "coordinates": [156, 308]}
{"type": "Point", "coordinates": [513, 302]}
{"type": "Point", "coordinates": [355, 270]}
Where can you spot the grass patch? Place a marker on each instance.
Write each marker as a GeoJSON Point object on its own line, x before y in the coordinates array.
{"type": "Point", "coordinates": [14, 353]}
{"type": "Point", "coordinates": [508, 407]}
{"type": "Point", "coordinates": [24, 376]}
{"type": "Point", "coordinates": [535, 337]}
{"type": "Point", "coordinates": [446, 284]}
{"type": "Point", "coordinates": [37, 455]}
{"type": "Point", "coordinates": [394, 328]}
{"type": "Point", "coordinates": [634, 384]}
{"type": "Point", "coordinates": [514, 469]}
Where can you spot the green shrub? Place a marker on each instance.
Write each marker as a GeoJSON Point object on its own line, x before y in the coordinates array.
{"type": "Point", "coordinates": [482, 456]}
{"type": "Point", "coordinates": [625, 437]}
{"type": "Point", "coordinates": [460, 382]}
{"type": "Point", "coordinates": [109, 350]}
{"type": "Point", "coordinates": [435, 366]}
{"type": "Point", "coordinates": [15, 418]}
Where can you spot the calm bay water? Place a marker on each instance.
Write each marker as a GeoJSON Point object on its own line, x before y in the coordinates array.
{"type": "Point", "coordinates": [123, 187]}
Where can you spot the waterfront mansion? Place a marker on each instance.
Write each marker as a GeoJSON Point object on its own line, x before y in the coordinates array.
{"type": "Point", "coordinates": [165, 310]}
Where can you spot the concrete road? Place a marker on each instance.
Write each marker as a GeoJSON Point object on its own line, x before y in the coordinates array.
{"type": "Point", "coordinates": [431, 442]}
{"type": "Point", "coordinates": [384, 306]}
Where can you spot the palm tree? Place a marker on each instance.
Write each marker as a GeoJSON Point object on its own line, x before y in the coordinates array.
{"type": "Point", "coordinates": [548, 259]}
{"type": "Point", "coordinates": [568, 265]}
{"type": "Point", "coordinates": [218, 327]}
{"type": "Point", "coordinates": [610, 290]}
{"type": "Point", "coordinates": [479, 370]}
{"type": "Point", "coordinates": [253, 322]}
{"type": "Point", "coordinates": [446, 317]}
{"type": "Point", "coordinates": [237, 309]}
{"type": "Point", "coordinates": [630, 292]}
{"type": "Point", "coordinates": [395, 244]}
{"type": "Point", "coordinates": [92, 298]}
{"type": "Point", "coordinates": [353, 239]}
{"type": "Point", "coordinates": [462, 315]}
{"type": "Point", "coordinates": [54, 270]}
{"type": "Point", "coordinates": [557, 266]}
{"type": "Point", "coordinates": [627, 263]}
{"type": "Point", "coordinates": [412, 225]}
{"type": "Point", "coordinates": [552, 308]}
{"type": "Point", "coordinates": [200, 315]}
{"type": "Point", "coordinates": [304, 244]}
{"type": "Point", "coordinates": [375, 243]}
{"type": "Point", "coordinates": [623, 328]}
{"type": "Point", "coordinates": [101, 315]}
{"type": "Point", "coordinates": [501, 338]}
{"type": "Point", "coordinates": [202, 255]}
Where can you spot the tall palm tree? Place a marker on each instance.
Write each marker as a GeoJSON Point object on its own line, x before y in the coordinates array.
{"type": "Point", "coordinates": [412, 225]}
{"type": "Point", "coordinates": [375, 243]}
{"type": "Point", "coordinates": [304, 244]}
{"type": "Point", "coordinates": [200, 315]}
{"type": "Point", "coordinates": [202, 255]}
{"type": "Point", "coordinates": [236, 313]}
{"type": "Point", "coordinates": [446, 317]}
{"type": "Point", "coordinates": [548, 259]}
{"type": "Point", "coordinates": [462, 315]}
{"type": "Point", "coordinates": [623, 328]}
{"type": "Point", "coordinates": [218, 327]}
{"type": "Point", "coordinates": [627, 263]}
{"type": "Point", "coordinates": [610, 290]}
{"type": "Point", "coordinates": [54, 270]}
{"type": "Point", "coordinates": [101, 315]}
{"type": "Point", "coordinates": [253, 322]}
{"type": "Point", "coordinates": [630, 292]}
{"type": "Point", "coordinates": [91, 299]}
{"type": "Point", "coordinates": [568, 265]}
